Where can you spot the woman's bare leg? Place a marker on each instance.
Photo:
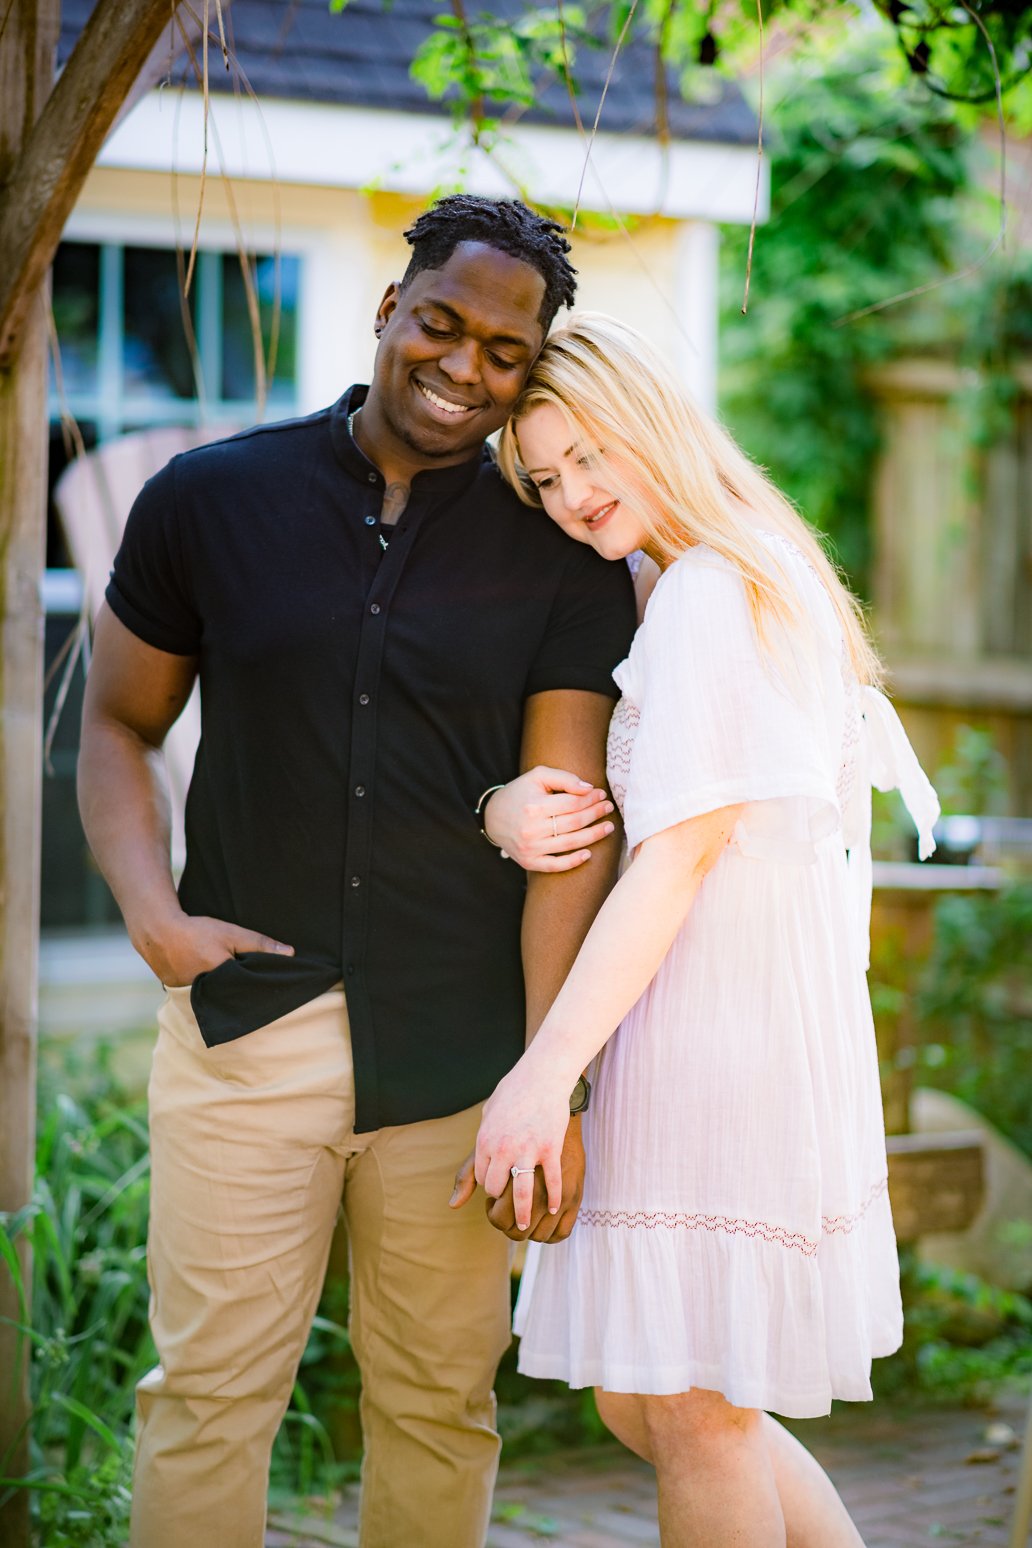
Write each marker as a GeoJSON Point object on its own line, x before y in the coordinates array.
{"type": "Point", "coordinates": [814, 1516]}
{"type": "Point", "coordinates": [713, 1468]}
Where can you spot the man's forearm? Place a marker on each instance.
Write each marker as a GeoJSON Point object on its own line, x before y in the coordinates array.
{"type": "Point", "coordinates": [565, 730]}
{"type": "Point", "coordinates": [126, 814]}
{"type": "Point", "coordinates": [557, 915]}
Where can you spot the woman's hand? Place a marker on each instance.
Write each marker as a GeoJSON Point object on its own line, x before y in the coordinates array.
{"type": "Point", "coordinates": [523, 1125]}
{"type": "Point", "coordinates": [545, 819]}
{"type": "Point", "coordinates": [542, 1225]}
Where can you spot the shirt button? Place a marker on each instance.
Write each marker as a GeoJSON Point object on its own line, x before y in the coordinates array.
{"type": "Point", "coordinates": [363, 698]}
{"type": "Point", "coordinates": [356, 881]}
{"type": "Point", "coordinates": [375, 608]}
{"type": "Point", "coordinates": [370, 521]}
{"type": "Point", "coordinates": [360, 790]}
{"type": "Point", "coordinates": [372, 478]}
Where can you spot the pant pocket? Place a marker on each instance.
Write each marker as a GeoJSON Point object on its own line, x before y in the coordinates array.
{"type": "Point", "coordinates": [177, 1020]}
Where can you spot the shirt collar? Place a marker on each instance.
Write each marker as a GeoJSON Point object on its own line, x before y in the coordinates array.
{"type": "Point", "coordinates": [430, 483]}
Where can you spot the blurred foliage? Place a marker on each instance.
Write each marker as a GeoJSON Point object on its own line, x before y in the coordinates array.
{"type": "Point", "coordinates": [961, 1337]}
{"type": "Point", "coordinates": [973, 779]}
{"type": "Point", "coordinates": [864, 186]}
{"type": "Point", "coordinates": [989, 324]}
{"type": "Point", "coordinates": [474, 62]}
{"type": "Point", "coordinates": [975, 1003]}
{"type": "Point", "coordinates": [487, 60]}
{"type": "Point", "coordinates": [87, 1227]}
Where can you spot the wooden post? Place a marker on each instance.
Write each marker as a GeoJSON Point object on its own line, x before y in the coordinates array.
{"type": "Point", "coordinates": [49, 138]}
{"type": "Point", "coordinates": [27, 48]}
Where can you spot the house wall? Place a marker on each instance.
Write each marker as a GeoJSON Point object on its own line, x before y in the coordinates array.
{"type": "Point", "coordinates": [657, 273]}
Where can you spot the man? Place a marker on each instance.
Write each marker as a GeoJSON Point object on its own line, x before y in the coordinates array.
{"type": "Point", "coordinates": [381, 632]}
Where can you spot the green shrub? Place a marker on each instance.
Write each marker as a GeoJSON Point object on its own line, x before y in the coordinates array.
{"type": "Point", "coordinates": [87, 1228]}
{"type": "Point", "coordinates": [975, 1001]}
{"type": "Point", "coordinates": [961, 1337]}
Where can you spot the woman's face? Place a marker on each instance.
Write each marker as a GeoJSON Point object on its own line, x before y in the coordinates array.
{"type": "Point", "coordinates": [571, 482]}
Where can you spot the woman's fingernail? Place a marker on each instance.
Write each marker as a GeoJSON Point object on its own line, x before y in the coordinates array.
{"type": "Point", "coordinates": [553, 1211]}
{"type": "Point", "coordinates": [608, 806]}
{"type": "Point", "coordinates": [584, 784]}
{"type": "Point", "coordinates": [607, 827]}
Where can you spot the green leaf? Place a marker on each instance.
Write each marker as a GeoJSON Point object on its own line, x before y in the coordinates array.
{"type": "Point", "coordinates": [87, 1417]}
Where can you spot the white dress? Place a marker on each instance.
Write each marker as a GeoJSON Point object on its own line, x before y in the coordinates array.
{"type": "Point", "coordinates": [735, 1232]}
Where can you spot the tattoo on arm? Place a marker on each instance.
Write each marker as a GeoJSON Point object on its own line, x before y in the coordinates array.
{"type": "Point", "coordinates": [395, 499]}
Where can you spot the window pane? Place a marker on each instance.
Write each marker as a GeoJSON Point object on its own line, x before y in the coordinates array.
{"type": "Point", "coordinates": [156, 358]}
{"type": "Point", "coordinates": [238, 376]}
{"type": "Point", "coordinates": [76, 313]}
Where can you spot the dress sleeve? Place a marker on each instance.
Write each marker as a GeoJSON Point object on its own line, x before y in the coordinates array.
{"type": "Point", "coordinates": [589, 628]}
{"type": "Point", "coordinates": [722, 723]}
{"type": "Point", "coordinates": [149, 590]}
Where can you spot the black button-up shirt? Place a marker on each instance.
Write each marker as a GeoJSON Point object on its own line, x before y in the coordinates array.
{"type": "Point", "coordinates": [354, 706]}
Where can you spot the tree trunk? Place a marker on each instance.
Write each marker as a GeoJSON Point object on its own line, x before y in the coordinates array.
{"type": "Point", "coordinates": [27, 48]}
{"type": "Point", "coordinates": [23, 474]}
{"type": "Point", "coordinates": [48, 140]}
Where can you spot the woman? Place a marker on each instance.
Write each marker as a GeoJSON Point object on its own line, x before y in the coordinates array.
{"type": "Point", "coordinates": [734, 1250]}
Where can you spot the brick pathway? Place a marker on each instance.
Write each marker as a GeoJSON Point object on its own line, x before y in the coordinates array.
{"type": "Point", "coordinates": [929, 1476]}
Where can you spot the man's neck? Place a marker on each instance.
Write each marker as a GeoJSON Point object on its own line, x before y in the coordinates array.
{"type": "Point", "coordinates": [398, 463]}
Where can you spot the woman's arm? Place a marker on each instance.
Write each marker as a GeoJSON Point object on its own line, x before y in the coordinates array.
{"type": "Point", "coordinates": [525, 1119]}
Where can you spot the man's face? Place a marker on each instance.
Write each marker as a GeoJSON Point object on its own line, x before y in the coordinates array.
{"type": "Point", "coordinates": [455, 348]}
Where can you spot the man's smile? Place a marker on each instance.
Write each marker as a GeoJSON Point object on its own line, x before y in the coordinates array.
{"type": "Point", "coordinates": [449, 406]}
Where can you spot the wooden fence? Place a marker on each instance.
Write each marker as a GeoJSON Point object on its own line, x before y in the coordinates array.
{"type": "Point", "coordinates": [953, 572]}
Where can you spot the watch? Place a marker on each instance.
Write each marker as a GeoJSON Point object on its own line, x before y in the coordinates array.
{"type": "Point", "coordinates": [580, 1096]}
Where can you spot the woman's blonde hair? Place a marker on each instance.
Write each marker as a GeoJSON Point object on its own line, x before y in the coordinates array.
{"type": "Point", "coordinates": [691, 483]}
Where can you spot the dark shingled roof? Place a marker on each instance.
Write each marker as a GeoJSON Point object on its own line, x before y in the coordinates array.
{"type": "Point", "coordinates": [297, 49]}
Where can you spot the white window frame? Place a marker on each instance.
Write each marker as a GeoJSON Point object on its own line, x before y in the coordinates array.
{"type": "Point", "coordinates": [109, 407]}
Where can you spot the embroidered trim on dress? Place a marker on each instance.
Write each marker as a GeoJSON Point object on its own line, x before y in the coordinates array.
{"type": "Point", "coordinates": [833, 1225]}
{"type": "Point", "coordinates": [623, 727]}
{"type": "Point", "coordinates": [635, 1219]}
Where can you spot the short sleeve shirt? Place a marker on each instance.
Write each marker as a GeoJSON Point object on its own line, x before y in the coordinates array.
{"type": "Point", "coordinates": [355, 704]}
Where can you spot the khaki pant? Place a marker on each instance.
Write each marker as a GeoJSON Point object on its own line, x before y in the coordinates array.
{"type": "Point", "coordinates": [253, 1152]}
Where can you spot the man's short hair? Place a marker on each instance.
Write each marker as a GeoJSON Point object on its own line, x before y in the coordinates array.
{"type": "Point", "coordinates": [505, 224]}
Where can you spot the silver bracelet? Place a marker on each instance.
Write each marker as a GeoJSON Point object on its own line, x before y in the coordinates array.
{"type": "Point", "coordinates": [478, 811]}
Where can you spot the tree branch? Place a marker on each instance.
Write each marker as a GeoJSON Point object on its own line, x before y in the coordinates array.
{"type": "Point", "coordinates": [63, 145]}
